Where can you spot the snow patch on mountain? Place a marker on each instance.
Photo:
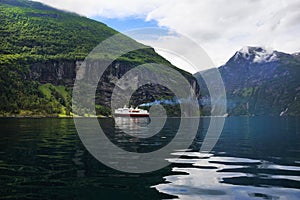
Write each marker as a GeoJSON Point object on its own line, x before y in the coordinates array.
{"type": "Point", "coordinates": [265, 56]}
{"type": "Point", "coordinates": [256, 54]}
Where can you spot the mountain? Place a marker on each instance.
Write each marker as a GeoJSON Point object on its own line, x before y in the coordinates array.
{"type": "Point", "coordinates": [41, 48]}
{"type": "Point", "coordinates": [260, 82]}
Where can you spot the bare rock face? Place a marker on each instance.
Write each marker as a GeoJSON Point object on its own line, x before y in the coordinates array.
{"type": "Point", "coordinates": [64, 73]}
{"type": "Point", "coordinates": [55, 72]}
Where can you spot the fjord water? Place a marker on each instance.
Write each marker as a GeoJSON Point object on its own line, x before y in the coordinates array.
{"type": "Point", "coordinates": [255, 158]}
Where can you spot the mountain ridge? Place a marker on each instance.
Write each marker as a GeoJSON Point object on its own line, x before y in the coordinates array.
{"type": "Point", "coordinates": [259, 82]}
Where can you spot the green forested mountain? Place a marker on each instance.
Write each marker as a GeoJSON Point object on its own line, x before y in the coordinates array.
{"type": "Point", "coordinates": [40, 48]}
{"type": "Point", "coordinates": [28, 32]}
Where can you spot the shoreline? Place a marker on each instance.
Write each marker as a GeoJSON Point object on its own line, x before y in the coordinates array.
{"type": "Point", "coordinates": [49, 116]}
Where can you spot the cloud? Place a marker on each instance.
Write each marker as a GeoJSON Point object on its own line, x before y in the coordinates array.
{"type": "Point", "coordinates": [223, 26]}
{"type": "Point", "coordinates": [106, 8]}
{"type": "Point", "coordinates": [219, 26]}
{"type": "Point", "coordinates": [181, 52]}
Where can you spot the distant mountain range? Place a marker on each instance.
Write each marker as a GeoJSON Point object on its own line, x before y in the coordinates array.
{"type": "Point", "coordinates": [259, 82]}
{"type": "Point", "coordinates": [42, 47]}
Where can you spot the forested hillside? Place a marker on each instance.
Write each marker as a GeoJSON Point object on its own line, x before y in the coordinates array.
{"type": "Point", "coordinates": [39, 52]}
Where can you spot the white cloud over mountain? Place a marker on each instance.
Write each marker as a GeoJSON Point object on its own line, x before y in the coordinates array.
{"type": "Point", "coordinates": [219, 26]}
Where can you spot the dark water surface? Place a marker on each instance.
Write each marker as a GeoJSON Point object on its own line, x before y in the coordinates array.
{"type": "Point", "coordinates": [255, 158]}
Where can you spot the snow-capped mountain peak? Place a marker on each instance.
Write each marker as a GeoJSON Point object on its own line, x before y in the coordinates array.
{"type": "Point", "coordinates": [256, 54]}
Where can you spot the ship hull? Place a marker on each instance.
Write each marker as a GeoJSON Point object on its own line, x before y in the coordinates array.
{"type": "Point", "coordinates": [130, 115]}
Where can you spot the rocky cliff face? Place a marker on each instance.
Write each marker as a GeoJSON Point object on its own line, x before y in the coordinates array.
{"type": "Point", "coordinates": [55, 72]}
{"type": "Point", "coordinates": [64, 73]}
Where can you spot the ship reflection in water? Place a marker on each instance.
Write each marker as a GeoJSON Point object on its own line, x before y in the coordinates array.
{"type": "Point", "coordinates": [132, 125]}
{"type": "Point", "coordinates": [141, 127]}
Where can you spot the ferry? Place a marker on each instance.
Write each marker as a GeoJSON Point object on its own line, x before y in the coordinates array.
{"type": "Point", "coordinates": [131, 112]}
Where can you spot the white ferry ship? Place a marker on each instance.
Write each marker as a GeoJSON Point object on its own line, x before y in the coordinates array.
{"type": "Point", "coordinates": [131, 112]}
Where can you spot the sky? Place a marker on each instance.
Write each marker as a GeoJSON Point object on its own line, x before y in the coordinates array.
{"type": "Point", "coordinates": [219, 27]}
